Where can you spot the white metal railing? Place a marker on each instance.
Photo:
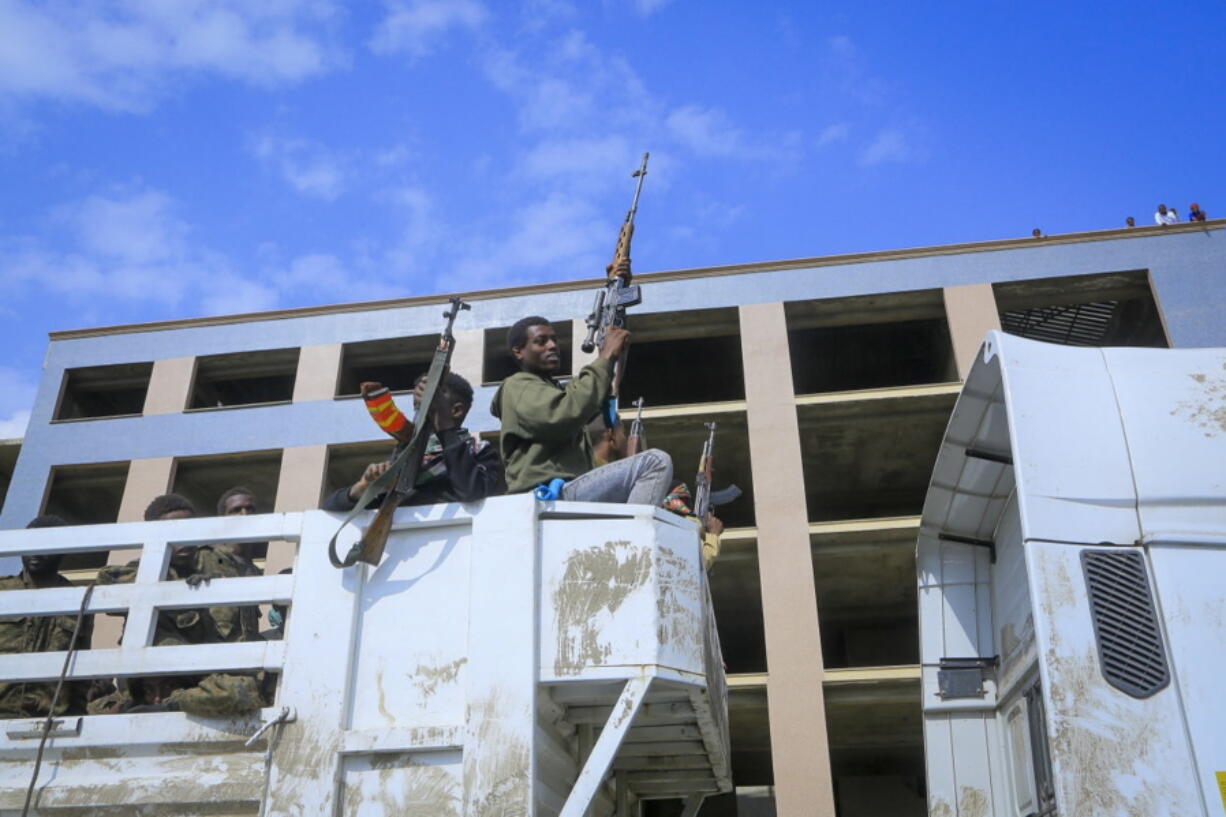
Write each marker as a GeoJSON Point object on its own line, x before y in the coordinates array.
{"type": "Point", "coordinates": [141, 600]}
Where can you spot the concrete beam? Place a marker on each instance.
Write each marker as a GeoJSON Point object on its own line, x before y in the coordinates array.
{"type": "Point", "coordinates": [888, 393]}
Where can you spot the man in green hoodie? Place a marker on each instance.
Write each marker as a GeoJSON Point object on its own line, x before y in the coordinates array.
{"type": "Point", "coordinates": [544, 423]}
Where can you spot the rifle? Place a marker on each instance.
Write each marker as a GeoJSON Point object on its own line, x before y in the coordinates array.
{"type": "Point", "coordinates": [618, 293]}
{"type": "Point", "coordinates": [635, 442]}
{"type": "Point", "coordinates": [704, 497]}
{"type": "Point", "coordinates": [400, 478]}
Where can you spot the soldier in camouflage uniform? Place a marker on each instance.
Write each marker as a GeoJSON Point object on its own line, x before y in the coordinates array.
{"type": "Point", "coordinates": [213, 695]}
{"type": "Point", "coordinates": [20, 634]}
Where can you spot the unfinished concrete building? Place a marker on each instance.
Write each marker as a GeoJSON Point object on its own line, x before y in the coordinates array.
{"type": "Point", "coordinates": [831, 380]}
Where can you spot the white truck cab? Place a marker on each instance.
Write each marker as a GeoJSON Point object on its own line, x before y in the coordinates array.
{"type": "Point", "coordinates": [1071, 566]}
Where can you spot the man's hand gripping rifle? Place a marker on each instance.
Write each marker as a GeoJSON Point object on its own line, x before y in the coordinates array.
{"type": "Point", "coordinates": [400, 478]}
{"type": "Point", "coordinates": [704, 497]}
{"type": "Point", "coordinates": [617, 294]}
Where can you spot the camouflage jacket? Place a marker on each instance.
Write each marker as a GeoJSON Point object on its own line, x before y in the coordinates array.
{"type": "Point", "coordinates": [204, 625]}
{"type": "Point", "coordinates": [22, 634]}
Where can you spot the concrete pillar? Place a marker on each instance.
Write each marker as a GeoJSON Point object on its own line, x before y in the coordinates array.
{"type": "Point", "coordinates": [318, 369]}
{"type": "Point", "coordinates": [579, 358]}
{"type": "Point", "coordinates": [298, 489]}
{"type": "Point", "coordinates": [468, 359]}
{"type": "Point", "coordinates": [146, 479]}
{"type": "Point", "coordinates": [796, 707]}
{"type": "Point", "coordinates": [170, 385]}
{"type": "Point", "coordinates": [971, 311]}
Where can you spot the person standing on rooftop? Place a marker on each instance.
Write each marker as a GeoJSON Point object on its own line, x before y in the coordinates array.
{"type": "Point", "coordinates": [1195, 213]}
{"type": "Point", "coordinates": [1165, 216]}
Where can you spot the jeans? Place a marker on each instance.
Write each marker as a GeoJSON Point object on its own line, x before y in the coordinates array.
{"type": "Point", "coordinates": [643, 479]}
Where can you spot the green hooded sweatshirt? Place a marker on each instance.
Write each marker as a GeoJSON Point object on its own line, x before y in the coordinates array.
{"type": "Point", "coordinates": [544, 424]}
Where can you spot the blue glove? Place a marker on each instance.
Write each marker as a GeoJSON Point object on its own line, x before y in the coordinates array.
{"type": "Point", "coordinates": [549, 490]}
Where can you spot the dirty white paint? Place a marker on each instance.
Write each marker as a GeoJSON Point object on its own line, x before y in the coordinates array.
{"type": "Point", "coordinates": [437, 683]}
{"type": "Point", "coordinates": [1116, 446]}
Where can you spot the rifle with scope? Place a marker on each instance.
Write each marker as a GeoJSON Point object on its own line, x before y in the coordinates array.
{"type": "Point", "coordinates": [618, 294]}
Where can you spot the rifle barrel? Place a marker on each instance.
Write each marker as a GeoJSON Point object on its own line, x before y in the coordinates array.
{"type": "Point", "coordinates": [641, 174]}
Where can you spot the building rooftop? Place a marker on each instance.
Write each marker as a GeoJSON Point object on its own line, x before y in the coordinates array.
{"type": "Point", "coordinates": [650, 277]}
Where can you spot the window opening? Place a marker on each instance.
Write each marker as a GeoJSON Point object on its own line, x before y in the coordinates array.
{"type": "Point", "coordinates": [394, 362]}
{"type": "Point", "coordinates": [736, 593]}
{"type": "Point", "coordinates": [869, 342]}
{"type": "Point", "coordinates": [86, 495]}
{"type": "Point", "coordinates": [203, 480]}
{"type": "Point", "coordinates": [104, 391]}
{"type": "Point", "coordinates": [244, 378]}
{"type": "Point", "coordinates": [1115, 309]}
{"type": "Point", "coordinates": [685, 357]}
{"type": "Point", "coordinates": [870, 458]}
{"type": "Point", "coordinates": [9, 451]}
{"type": "Point", "coordinates": [347, 462]}
{"type": "Point", "coordinates": [498, 364]}
{"type": "Point", "coordinates": [866, 597]}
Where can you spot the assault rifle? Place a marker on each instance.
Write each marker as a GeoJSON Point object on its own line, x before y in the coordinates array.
{"type": "Point", "coordinates": [704, 497]}
{"type": "Point", "coordinates": [401, 477]}
{"type": "Point", "coordinates": [618, 293]}
{"type": "Point", "coordinates": [635, 441]}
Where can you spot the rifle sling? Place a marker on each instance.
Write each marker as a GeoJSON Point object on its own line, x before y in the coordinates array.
{"type": "Point", "coordinates": [399, 479]}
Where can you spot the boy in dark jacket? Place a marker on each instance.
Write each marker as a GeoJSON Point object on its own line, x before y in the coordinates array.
{"type": "Point", "coordinates": [544, 424]}
{"type": "Point", "coordinates": [456, 468]}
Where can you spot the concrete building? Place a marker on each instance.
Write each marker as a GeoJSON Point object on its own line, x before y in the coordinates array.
{"type": "Point", "coordinates": [832, 380]}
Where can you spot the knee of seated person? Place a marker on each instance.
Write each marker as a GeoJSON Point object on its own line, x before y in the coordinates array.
{"type": "Point", "coordinates": [658, 455]}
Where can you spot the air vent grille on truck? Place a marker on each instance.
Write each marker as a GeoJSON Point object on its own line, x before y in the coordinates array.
{"type": "Point", "coordinates": [1130, 647]}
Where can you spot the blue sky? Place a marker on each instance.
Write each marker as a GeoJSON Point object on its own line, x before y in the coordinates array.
{"type": "Point", "coordinates": [174, 158]}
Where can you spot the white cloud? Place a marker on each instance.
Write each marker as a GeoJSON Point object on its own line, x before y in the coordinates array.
{"type": "Point", "coordinates": [846, 71]}
{"type": "Point", "coordinates": [890, 145]}
{"type": "Point", "coordinates": [325, 278]}
{"type": "Point", "coordinates": [229, 293]}
{"type": "Point", "coordinates": [125, 250]}
{"type": "Point", "coordinates": [838, 132]}
{"type": "Point", "coordinates": [16, 396]}
{"type": "Point", "coordinates": [709, 132]}
{"type": "Point", "coordinates": [579, 157]}
{"type": "Point", "coordinates": [122, 248]}
{"type": "Point", "coordinates": [557, 237]}
{"type": "Point", "coordinates": [308, 167]}
{"type": "Point", "coordinates": [538, 13]}
{"type": "Point", "coordinates": [138, 229]}
{"type": "Point", "coordinates": [124, 54]}
{"type": "Point", "coordinates": [14, 426]}
{"type": "Point", "coordinates": [418, 27]}
{"type": "Point", "coordinates": [706, 131]}
{"type": "Point", "coordinates": [646, 7]}
{"type": "Point", "coordinates": [393, 156]}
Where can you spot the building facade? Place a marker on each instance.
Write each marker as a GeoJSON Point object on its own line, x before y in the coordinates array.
{"type": "Point", "coordinates": [831, 380]}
